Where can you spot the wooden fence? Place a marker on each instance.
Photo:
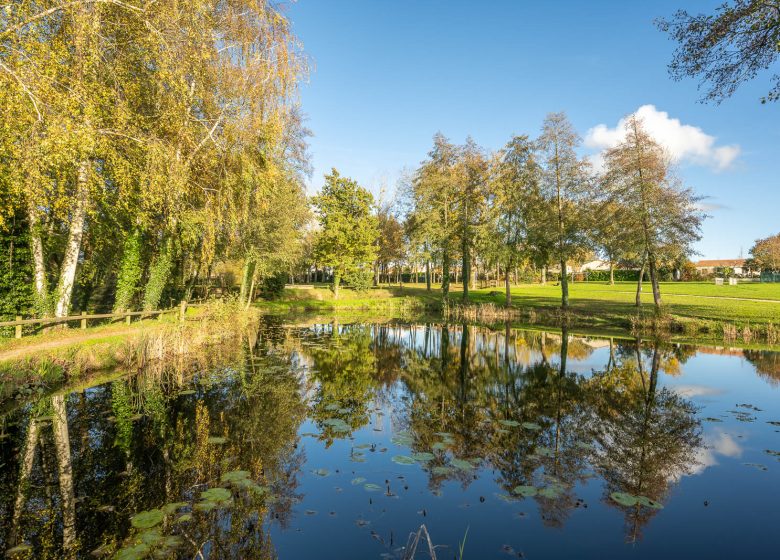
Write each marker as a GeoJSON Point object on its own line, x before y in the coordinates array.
{"type": "Point", "coordinates": [84, 317]}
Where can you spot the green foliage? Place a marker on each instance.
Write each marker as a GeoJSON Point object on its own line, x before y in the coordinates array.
{"type": "Point", "coordinates": [272, 287]}
{"type": "Point", "coordinates": [158, 278]}
{"type": "Point", "coordinates": [16, 296]}
{"type": "Point", "coordinates": [129, 272]}
{"type": "Point", "coordinates": [361, 280]}
{"type": "Point", "coordinates": [621, 275]}
{"type": "Point", "coordinates": [347, 242]}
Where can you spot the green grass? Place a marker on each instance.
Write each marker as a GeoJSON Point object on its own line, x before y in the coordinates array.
{"type": "Point", "coordinates": [695, 309]}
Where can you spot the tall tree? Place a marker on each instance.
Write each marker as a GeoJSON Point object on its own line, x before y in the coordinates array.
{"type": "Point", "coordinates": [638, 175]}
{"type": "Point", "coordinates": [733, 45]}
{"type": "Point", "coordinates": [766, 253]}
{"type": "Point", "coordinates": [565, 181]}
{"type": "Point", "coordinates": [516, 196]}
{"type": "Point", "coordinates": [349, 228]}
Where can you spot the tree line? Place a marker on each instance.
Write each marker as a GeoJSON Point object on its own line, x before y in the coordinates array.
{"type": "Point", "coordinates": [535, 204]}
{"type": "Point", "coordinates": [141, 143]}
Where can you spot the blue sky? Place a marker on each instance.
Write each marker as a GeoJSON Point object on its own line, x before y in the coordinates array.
{"type": "Point", "coordinates": [386, 75]}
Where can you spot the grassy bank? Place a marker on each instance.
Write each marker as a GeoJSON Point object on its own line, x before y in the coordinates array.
{"type": "Point", "coordinates": [746, 312]}
{"type": "Point", "coordinates": [43, 361]}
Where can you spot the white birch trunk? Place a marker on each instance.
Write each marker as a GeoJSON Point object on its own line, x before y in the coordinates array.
{"type": "Point", "coordinates": [39, 271]}
{"type": "Point", "coordinates": [73, 247]}
{"type": "Point", "coordinates": [65, 468]}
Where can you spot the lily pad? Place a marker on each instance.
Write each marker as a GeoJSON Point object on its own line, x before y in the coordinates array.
{"type": "Point", "coordinates": [235, 477]}
{"type": "Point", "coordinates": [217, 440]}
{"type": "Point", "coordinates": [403, 439]}
{"type": "Point", "coordinates": [321, 472]}
{"type": "Point", "coordinates": [172, 507]}
{"type": "Point", "coordinates": [403, 460]}
{"type": "Point", "coordinates": [423, 456]}
{"type": "Point", "coordinates": [462, 464]}
{"type": "Point", "coordinates": [358, 480]}
{"type": "Point", "coordinates": [552, 492]}
{"type": "Point", "coordinates": [370, 487]}
{"type": "Point", "coordinates": [441, 470]}
{"type": "Point", "coordinates": [647, 502]}
{"type": "Point", "coordinates": [439, 446]}
{"type": "Point", "coordinates": [147, 519]}
{"type": "Point", "coordinates": [624, 498]}
{"type": "Point", "coordinates": [135, 552]}
{"type": "Point", "coordinates": [509, 423]}
{"type": "Point", "coordinates": [524, 490]}
{"type": "Point", "coordinates": [531, 426]}
{"type": "Point", "coordinates": [187, 392]}
{"type": "Point", "coordinates": [183, 518]}
{"type": "Point", "coordinates": [217, 495]}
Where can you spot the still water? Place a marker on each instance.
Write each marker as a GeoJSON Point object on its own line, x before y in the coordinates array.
{"type": "Point", "coordinates": [343, 440]}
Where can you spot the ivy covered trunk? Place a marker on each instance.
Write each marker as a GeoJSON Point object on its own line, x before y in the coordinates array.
{"type": "Point", "coordinates": [129, 273]}
{"type": "Point", "coordinates": [158, 278]}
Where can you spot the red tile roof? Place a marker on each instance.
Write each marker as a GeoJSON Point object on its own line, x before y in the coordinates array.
{"type": "Point", "coordinates": [721, 262]}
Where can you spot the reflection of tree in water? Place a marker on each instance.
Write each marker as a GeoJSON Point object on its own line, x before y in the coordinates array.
{"type": "Point", "coordinates": [90, 460]}
{"type": "Point", "coordinates": [343, 368]}
{"type": "Point", "coordinates": [767, 364]}
{"type": "Point", "coordinates": [646, 437]}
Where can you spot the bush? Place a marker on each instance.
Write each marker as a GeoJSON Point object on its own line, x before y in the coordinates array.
{"type": "Point", "coordinates": [272, 287]}
{"type": "Point", "coordinates": [621, 275]}
{"type": "Point", "coordinates": [360, 280]}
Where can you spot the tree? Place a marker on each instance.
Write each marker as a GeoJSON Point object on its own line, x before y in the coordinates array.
{"type": "Point", "coordinates": [515, 199]}
{"type": "Point", "coordinates": [726, 48]}
{"type": "Point", "coordinates": [766, 253]}
{"type": "Point", "coordinates": [471, 182]}
{"type": "Point", "coordinates": [349, 229]}
{"type": "Point", "coordinates": [638, 176]}
{"type": "Point", "coordinates": [565, 180]}
{"type": "Point", "coordinates": [435, 197]}
{"type": "Point", "coordinates": [392, 245]}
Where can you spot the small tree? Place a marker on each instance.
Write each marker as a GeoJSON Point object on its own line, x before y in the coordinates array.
{"type": "Point", "coordinates": [347, 242]}
{"type": "Point", "coordinates": [766, 253]}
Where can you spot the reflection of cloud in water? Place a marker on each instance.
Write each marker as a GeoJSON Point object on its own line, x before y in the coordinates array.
{"type": "Point", "coordinates": [692, 391]}
{"type": "Point", "coordinates": [716, 444]}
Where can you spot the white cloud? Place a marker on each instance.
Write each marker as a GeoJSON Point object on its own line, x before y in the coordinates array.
{"type": "Point", "coordinates": [717, 444]}
{"type": "Point", "coordinates": [683, 142]}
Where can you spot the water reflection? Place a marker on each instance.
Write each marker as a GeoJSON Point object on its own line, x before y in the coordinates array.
{"type": "Point", "coordinates": [464, 404]}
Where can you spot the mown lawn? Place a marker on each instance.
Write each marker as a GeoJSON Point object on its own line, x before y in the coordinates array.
{"type": "Point", "coordinates": [695, 300]}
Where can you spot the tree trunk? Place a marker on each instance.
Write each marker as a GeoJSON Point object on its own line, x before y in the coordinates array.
{"type": "Point", "coordinates": [64, 465]}
{"type": "Point", "coordinates": [654, 280]}
{"type": "Point", "coordinates": [639, 283]}
{"type": "Point", "coordinates": [427, 275]}
{"type": "Point", "coordinates": [336, 282]}
{"type": "Point", "coordinates": [508, 286]}
{"type": "Point", "coordinates": [466, 271]}
{"type": "Point", "coordinates": [73, 247]}
{"type": "Point", "coordinates": [611, 273]}
{"type": "Point", "coordinates": [445, 274]}
{"type": "Point", "coordinates": [564, 284]}
{"type": "Point", "coordinates": [39, 270]}
{"type": "Point", "coordinates": [28, 458]}
{"type": "Point", "coordinates": [544, 275]}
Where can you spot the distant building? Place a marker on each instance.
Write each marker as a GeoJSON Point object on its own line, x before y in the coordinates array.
{"type": "Point", "coordinates": [598, 264]}
{"type": "Point", "coordinates": [715, 266]}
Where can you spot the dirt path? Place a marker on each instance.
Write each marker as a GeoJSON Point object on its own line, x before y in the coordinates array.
{"type": "Point", "coordinates": [28, 349]}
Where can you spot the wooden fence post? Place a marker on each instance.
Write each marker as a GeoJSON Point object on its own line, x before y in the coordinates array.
{"type": "Point", "coordinates": [182, 309]}
{"type": "Point", "coordinates": [18, 327]}
{"type": "Point", "coordinates": [128, 318]}
{"type": "Point", "coordinates": [83, 321]}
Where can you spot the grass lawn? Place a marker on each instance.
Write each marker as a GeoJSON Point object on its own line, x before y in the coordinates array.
{"type": "Point", "coordinates": [744, 303]}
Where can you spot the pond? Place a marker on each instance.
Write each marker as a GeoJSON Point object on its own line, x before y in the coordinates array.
{"type": "Point", "coordinates": [359, 441]}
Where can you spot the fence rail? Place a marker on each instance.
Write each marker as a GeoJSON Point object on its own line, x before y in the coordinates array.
{"type": "Point", "coordinates": [84, 316]}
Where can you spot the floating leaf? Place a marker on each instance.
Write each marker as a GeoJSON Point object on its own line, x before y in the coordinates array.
{"type": "Point", "coordinates": [758, 466]}
{"type": "Point", "coordinates": [624, 498]}
{"type": "Point", "coordinates": [363, 446]}
{"type": "Point", "coordinates": [423, 456]}
{"type": "Point", "coordinates": [712, 419]}
{"type": "Point", "coordinates": [172, 507]}
{"type": "Point", "coordinates": [552, 492]}
{"type": "Point", "coordinates": [524, 490]}
{"type": "Point", "coordinates": [403, 460]}
{"type": "Point", "coordinates": [147, 519]}
{"type": "Point", "coordinates": [358, 480]}
{"type": "Point", "coordinates": [183, 518]}
{"type": "Point", "coordinates": [217, 495]}
{"type": "Point", "coordinates": [235, 477]}
{"type": "Point", "coordinates": [186, 392]}
{"type": "Point", "coordinates": [462, 464]}
{"type": "Point", "coordinates": [585, 445]}
{"type": "Point", "coordinates": [509, 423]}
{"type": "Point", "coordinates": [217, 440]}
{"type": "Point", "coordinates": [441, 471]}
{"type": "Point", "coordinates": [439, 446]}
{"type": "Point", "coordinates": [331, 407]}
{"type": "Point", "coordinates": [403, 439]}
{"type": "Point", "coordinates": [135, 552]}
{"type": "Point", "coordinates": [372, 487]}
{"type": "Point", "coordinates": [647, 502]}
{"type": "Point", "coordinates": [321, 472]}
{"type": "Point", "coordinates": [531, 426]}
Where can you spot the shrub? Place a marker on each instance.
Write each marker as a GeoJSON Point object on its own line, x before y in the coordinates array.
{"type": "Point", "coordinates": [272, 287]}
{"type": "Point", "coordinates": [360, 280]}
